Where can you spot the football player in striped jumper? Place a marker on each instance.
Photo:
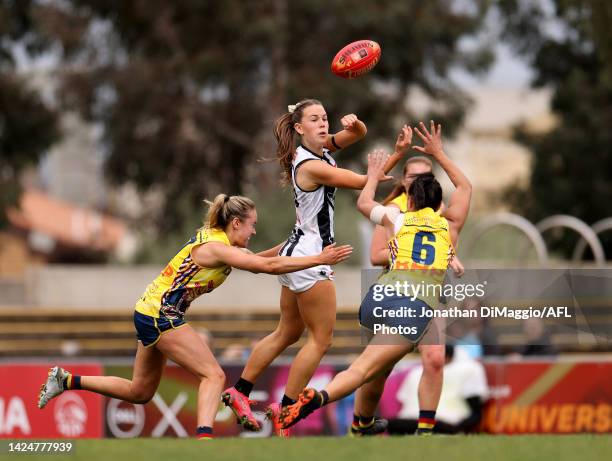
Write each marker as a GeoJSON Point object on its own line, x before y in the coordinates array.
{"type": "Point", "coordinates": [308, 297]}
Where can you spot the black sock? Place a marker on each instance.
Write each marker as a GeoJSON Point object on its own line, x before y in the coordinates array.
{"type": "Point", "coordinates": [366, 420]}
{"type": "Point", "coordinates": [287, 401]}
{"type": "Point", "coordinates": [243, 386]}
{"type": "Point", "coordinates": [325, 396]}
{"type": "Point", "coordinates": [204, 432]}
{"type": "Point", "coordinates": [355, 420]}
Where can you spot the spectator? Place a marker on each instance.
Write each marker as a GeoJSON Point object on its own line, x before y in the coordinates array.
{"type": "Point", "coordinates": [537, 339]}
{"type": "Point", "coordinates": [465, 333]}
{"type": "Point", "coordinates": [464, 393]}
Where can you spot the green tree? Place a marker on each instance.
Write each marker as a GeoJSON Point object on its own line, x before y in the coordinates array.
{"type": "Point", "coordinates": [27, 125]}
{"type": "Point", "coordinates": [187, 91]}
{"type": "Point", "coordinates": [569, 45]}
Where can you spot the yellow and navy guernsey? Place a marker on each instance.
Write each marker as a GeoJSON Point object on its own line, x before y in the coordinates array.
{"type": "Point", "coordinates": [182, 281]}
{"type": "Point", "coordinates": [420, 251]}
{"type": "Point", "coordinates": [401, 201]}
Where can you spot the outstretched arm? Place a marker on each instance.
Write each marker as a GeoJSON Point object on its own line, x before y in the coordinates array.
{"type": "Point", "coordinates": [366, 204]}
{"type": "Point", "coordinates": [215, 254]}
{"type": "Point", "coordinates": [459, 204]}
{"type": "Point", "coordinates": [271, 251]}
{"type": "Point", "coordinates": [315, 173]}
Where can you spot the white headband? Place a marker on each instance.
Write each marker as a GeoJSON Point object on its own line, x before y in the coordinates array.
{"type": "Point", "coordinates": [292, 107]}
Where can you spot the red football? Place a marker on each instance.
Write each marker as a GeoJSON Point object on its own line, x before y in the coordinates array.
{"type": "Point", "coordinates": [356, 59]}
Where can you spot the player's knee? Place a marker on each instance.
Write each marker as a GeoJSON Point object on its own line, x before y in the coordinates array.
{"type": "Point", "coordinates": [433, 362]}
{"type": "Point", "coordinates": [142, 396]}
{"type": "Point", "coordinates": [213, 375]}
{"type": "Point", "coordinates": [289, 336]}
{"type": "Point", "coordinates": [322, 337]}
{"type": "Point", "coordinates": [217, 376]}
{"type": "Point", "coordinates": [323, 343]}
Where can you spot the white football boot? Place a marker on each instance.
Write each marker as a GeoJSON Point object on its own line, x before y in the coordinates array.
{"type": "Point", "coordinates": [53, 387]}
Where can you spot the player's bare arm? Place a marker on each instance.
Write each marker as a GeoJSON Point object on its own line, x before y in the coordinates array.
{"type": "Point", "coordinates": [366, 203]}
{"type": "Point", "coordinates": [215, 254]}
{"type": "Point", "coordinates": [313, 174]}
{"type": "Point", "coordinates": [459, 204]}
{"type": "Point", "coordinates": [379, 251]}
{"type": "Point", "coordinates": [402, 145]}
{"type": "Point", "coordinates": [353, 130]}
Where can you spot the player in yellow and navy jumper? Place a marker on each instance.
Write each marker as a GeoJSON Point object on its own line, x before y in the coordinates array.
{"type": "Point", "coordinates": [432, 355]}
{"type": "Point", "coordinates": [199, 267]}
{"type": "Point", "coordinates": [421, 246]}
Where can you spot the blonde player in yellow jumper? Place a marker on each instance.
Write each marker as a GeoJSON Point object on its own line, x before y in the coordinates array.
{"type": "Point", "coordinates": [199, 267]}
{"type": "Point", "coordinates": [421, 243]}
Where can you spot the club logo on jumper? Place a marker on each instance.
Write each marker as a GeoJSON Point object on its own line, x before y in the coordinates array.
{"type": "Point", "coordinates": [70, 415]}
{"type": "Point", "coordinates": [125, 420]}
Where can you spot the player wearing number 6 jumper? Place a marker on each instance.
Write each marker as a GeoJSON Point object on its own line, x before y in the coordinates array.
{"type": "Point", "coordinates": [421, 244]}
{"type": "Point", "coordinates": [203, 264]}
{"type": "Point", "coordinates": [432, 352]}
{"type": "Point", "coordinates": [308, 298]}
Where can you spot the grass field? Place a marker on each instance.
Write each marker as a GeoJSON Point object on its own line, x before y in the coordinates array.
{"type": "Point", "coordinates": [495, 448]}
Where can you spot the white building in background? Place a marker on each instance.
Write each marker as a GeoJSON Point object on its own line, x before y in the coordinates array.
{"type": "Point", "coordinates": [484, 147]}
{"type": "Point", "coordinates": [73, 169]}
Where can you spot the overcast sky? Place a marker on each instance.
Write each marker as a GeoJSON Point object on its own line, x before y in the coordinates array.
{"type": "Point", "coordinates": [507, 71]}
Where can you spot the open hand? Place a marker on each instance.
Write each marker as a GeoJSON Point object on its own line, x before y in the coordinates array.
{"type": "Point", "coordinates": [404, 139]}
{"type": "Point", "coordinates": [376, 165]}
{"type": "Point", "coordinates": [333, 254]}
{"type": "Point", "coordinates": [456, 265]}
{"type": "Point", "coordinates": [432, 139]}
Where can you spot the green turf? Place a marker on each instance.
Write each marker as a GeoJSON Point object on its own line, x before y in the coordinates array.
{"type": "Point", "coordinates": [494, 448]}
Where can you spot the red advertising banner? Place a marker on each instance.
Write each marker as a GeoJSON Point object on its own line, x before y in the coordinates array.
{"type": "Point", "coordinates": [546, 397]}
{"type": "Point", "coordinates": [70, 415]}
{"type": "Point", "coordinates": [558, 397]}
{"type": "Point", "coordinates": [527, 397]}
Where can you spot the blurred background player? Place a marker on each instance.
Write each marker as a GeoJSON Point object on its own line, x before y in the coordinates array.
{"type": "Point", "coordinates": [422, 246]}
{"type": "Point", "coordinates": [199, 267]}
{"type": "Point", "coordinates": [308, 298]}
{"type": "Point", "coordinates": [464, 393]}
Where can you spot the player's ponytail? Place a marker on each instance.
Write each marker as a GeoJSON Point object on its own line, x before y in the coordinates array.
{"type": "Point", "coordinates": [285, 135]}
{"type": "Point", "coordinates": [224, 208]}
{"type": "Point", "coordinates": [397, 190]}
{"type": "Point", "coordinates": [425, 191]}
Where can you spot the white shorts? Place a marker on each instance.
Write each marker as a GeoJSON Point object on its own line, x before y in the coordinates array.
{"type": "Point", "coordinates": [304, 280]}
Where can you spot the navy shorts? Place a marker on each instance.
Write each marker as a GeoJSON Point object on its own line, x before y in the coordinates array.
{"type": "Point", "coordinates": [395, 315]}
{"type": "Point", "coordinates": [149, 329]}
